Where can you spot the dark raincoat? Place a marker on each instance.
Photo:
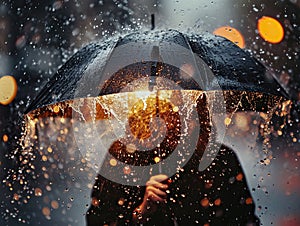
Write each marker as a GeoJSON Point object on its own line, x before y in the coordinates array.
{"type": "Point", "coordinates": [217, 196]}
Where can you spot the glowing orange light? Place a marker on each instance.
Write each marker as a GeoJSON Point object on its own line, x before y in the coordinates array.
{"type": "Point", "coordinates": [46, 211]}
{"type": "Point", "coordinates": [16, 197]}
{"type": "Point", "coordinates": [38, 192]}
{"type": "Point", "coordinates": [44, 158]}
{"type": "Point", "coordinates": [54, 204]}
{"type": "Point", "coordinates": [231, 34]}
{"type": "Point", "coordinates": [249, 201]}
{"type": "Point", "coordinates": [205, 202]}
{"type": "Point", "coordinates": [5, 138]}
{"type": "Point", "coordinates": [121, 202]}
{"type": "Point", "coordinates": [217, 202]}
{"type": "Point", "coordinates": [56, 109]}
{"type": "Point", "coordinates": [239, 177]}
{"type": "Point", "coordinates": [49, 149]}
{"type": "Point", "coordinates": [8, 89]}
{"type": "Point", "coordinates": [270, 29]}
{"type": "Point", "coordinates": [95, 202]}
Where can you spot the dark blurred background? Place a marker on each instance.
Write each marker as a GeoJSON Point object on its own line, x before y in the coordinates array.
{"type": "Point", "coordinates": [37, 37]}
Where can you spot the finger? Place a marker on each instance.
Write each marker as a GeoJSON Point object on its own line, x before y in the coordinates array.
{"type": "Point", "coordinates": [157, 191]}
{"type": "Point", "coordinates": [158, 181]}
{"type": "Point", "coordinates": [154, 198]}
{"type": "Point", "coordinates": [157, 185]}
{"type": "Point", "coordinates": [159, 177]}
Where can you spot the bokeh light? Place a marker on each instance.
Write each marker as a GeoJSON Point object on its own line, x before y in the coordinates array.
{"type": "Point", "coordinates": [270, 29]}
{"type": "Point", "coordinates": [239, 177]}
{"type": "Point", "coordinates": [227, 121]}
{"type": "Point", "coordinates": [157, 159]}
{"type": "Point", "coordinates": [54, 204]}
{"type": "Point", "coordinates": [5, 138]}
{"type": "Point", "coordinates": [249, 201]}
{"type": "Point", "coordinates": [113, 162]}
{"type": "Point", "coordinates": [217, 202]}
{"type": "Point", "coordinates": [205, 202]}
{"type": "Point", "coordinates": [46, 211]}
{"type": "Point", "coordinates": [8, 89]}
{"type": "Point", "coordinates": [231, 34]}
{"type": "Point", "coordinates": [38, 192]}
{"type": "Point", "coordinates": [56, 109]}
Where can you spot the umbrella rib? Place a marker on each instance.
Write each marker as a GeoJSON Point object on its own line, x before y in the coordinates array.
{"type": "Point", "coordinates": [195, 63]}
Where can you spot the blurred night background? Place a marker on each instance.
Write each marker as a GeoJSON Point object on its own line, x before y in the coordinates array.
{"type": "Point", "coordinates": [37, 37]}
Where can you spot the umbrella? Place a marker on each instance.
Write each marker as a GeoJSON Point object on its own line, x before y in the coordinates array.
{"type": "Point", "coordinates": [232, 67]}
{"type": "Point", "coordinates": [166, 70]}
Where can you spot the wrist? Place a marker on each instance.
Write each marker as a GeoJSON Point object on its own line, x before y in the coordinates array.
{"type": "Point", "coordinates": [139, 215]}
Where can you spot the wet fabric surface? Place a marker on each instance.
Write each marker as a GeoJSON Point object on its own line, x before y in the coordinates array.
{"type": "Point", "coordinates": [218, 195]}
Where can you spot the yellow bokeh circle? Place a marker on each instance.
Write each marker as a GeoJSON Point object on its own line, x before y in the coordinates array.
{"type": "Point", "coordinates": [8, 89]}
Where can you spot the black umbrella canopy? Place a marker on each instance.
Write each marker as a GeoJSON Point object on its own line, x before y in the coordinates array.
{"type": "Point", "coordinates": [97, 89]}
{"type": "Point", "coordinates": [108, 66]}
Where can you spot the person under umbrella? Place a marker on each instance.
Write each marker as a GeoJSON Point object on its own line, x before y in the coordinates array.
{"type": "Point", "coordinates": [218, 195]}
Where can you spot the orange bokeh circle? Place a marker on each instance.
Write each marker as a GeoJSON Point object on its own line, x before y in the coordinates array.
{"type": "Point", "coordinates": [231, 34]}
{"type": "Point", "coordinates": [270, 29]}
